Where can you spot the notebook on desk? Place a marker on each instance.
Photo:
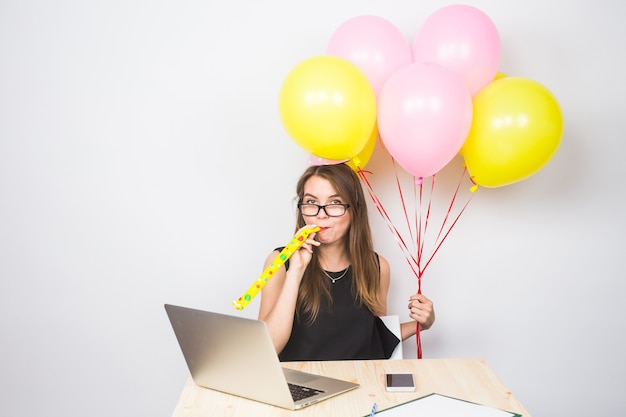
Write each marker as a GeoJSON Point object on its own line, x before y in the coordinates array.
{"type": "Point", "coordinates": [236, 355]}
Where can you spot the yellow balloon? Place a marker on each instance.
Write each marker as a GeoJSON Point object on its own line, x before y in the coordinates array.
{"type": "Point", "coordinates": [499, 75]}
{"type": "Point", "coordinates": [328, 106]}
{"type": "Point", "coordinates": [516, 129]}
{"type": "Point", "coordinates": [364, 156]}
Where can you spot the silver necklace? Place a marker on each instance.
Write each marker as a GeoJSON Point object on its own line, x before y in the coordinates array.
{"type": "Point", "coordinates": [345, 271]}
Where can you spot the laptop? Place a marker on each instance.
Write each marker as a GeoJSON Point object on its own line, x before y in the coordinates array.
{"type": "Point", "coordinates": [236, 355]}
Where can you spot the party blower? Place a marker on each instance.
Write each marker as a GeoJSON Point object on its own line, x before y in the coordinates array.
{"type": "Point", "coordinates": [282, 257]}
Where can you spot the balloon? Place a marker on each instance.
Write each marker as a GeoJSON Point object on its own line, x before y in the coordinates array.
{"type": "Point", "coordinates": [498, 75]}
{"type": "Point", "coordinates": [366, 153]}
{"type": "Point", "coordinates": [328, 107]}
{"type": "Point", "coordinates": [424, 115]}
{"type": "Point", "coordinates": [463, 39]}
{"type": "Point", "coordinates": [374, 45]}
{"type": "Point", "coordinates": [317, 161]}
{"type": "Point", "coordinates": [355, 163]}
{"type": "Point", "coordinates": [517, 128]}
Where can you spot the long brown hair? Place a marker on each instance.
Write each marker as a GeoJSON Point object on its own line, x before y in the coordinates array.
{"type": "Point", "coordinates": [359, 246]}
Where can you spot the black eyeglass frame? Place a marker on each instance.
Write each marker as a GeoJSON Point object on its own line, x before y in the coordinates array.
{"type": "Point", "coordinates": [345, 209]}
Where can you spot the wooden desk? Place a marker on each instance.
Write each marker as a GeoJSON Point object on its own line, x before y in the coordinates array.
{"type": "Point", "coordinates": [468, 379]}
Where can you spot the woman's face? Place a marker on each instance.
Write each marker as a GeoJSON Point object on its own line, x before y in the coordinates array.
{"type": "Point", "coordinates": [318, 190]}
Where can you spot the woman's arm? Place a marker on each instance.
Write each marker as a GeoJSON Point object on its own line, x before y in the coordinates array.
{"type": "Point", "coordinates": [279, 295]}
{"type": "Point", "coordinates": [278, 303]}
{"type": "Point", "coordinates": [420, 307]}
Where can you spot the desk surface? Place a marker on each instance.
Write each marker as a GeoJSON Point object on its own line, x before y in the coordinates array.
{"type": "Point", "coordinates": [469, 379]}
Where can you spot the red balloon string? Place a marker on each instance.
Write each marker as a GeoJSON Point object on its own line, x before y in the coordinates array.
{"type": "Point", "coordinates": [406, 214]}
{"type": "Point", "coordinates": [421, 227]}
{"type": "Point", "coordinates": [447, 233]}
{"type": "Point", "coordinates": [422, 232]}
{"type": "Point", "coordinates": [418, 340]}
{"type": "Point", "coordinates": [381, 209]}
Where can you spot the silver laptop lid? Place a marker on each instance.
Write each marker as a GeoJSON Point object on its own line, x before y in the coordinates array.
{"type": "Point", "coordinates": [230, 354]}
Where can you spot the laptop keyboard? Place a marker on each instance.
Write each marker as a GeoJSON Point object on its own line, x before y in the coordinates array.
{"type": "Point", "coordinates": [299, 392]}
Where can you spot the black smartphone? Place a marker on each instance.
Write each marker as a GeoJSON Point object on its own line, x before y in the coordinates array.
{"type": "Point", "coordinates": [399, 381]}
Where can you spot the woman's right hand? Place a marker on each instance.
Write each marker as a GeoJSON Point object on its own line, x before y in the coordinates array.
{"type": "Point", "coordinates": [300, 259]}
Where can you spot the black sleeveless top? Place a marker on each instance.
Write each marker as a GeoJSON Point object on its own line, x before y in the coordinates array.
{"type": "Point", "coordinates": [343, 330]}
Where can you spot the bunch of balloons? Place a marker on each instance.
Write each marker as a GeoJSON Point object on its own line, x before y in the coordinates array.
{"type": "Point", "coordinates": [427, 101]}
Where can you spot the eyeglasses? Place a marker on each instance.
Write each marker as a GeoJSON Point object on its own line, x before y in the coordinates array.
{"type": "Point", "coordinates": [332, 210]}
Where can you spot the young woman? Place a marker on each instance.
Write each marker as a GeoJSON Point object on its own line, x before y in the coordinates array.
{"type": "Point", "coordinates": [325, 303]}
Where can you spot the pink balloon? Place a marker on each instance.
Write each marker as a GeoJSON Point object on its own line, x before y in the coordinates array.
{"type": "Point", "coordinates": [374, 45]}
{"type": "Point", "coordinates": [424, 117]}
{"type": "Point", "coordinates": [463, 39]}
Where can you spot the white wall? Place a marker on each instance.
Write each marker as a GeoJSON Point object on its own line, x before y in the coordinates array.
{"type": "Point", "coordinates": [142, 161]}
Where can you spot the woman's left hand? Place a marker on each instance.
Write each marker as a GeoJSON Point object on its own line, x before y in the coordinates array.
{"type": "Point", "coordinates": [421, 310]}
